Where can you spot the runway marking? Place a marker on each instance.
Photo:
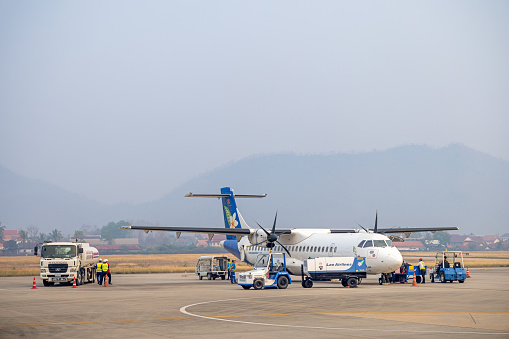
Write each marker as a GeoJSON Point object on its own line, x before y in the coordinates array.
{"type": "Point", "coordinates": [183, 309]}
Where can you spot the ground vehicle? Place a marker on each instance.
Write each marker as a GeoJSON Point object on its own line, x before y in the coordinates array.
{"type": "Point", "coordinates": [449, 267]}
{"type": "Point", "coordinates": [350, 270]}
{"type": "Point", "coordinates": [407, 272]}
{"type": "Point", "coordinates": [63, 261]}
{"type": "Point", "coordinates": [212, 267]}
{"type": "Point", "coordinates": [269, 271]}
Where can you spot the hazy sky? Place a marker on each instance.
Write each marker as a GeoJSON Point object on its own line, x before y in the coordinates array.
{"type": "Point", "coordinates": [122, 101]}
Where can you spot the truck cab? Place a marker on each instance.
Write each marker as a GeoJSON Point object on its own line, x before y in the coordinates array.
{"type": "Point", "coordinates": [269, 271]}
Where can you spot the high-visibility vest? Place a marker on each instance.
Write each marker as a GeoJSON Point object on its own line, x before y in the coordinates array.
{"type": "Point", "coordinates": [421, 265]}
{"type": "Point", "coordinates": [228, 265]}
{"type": "Point", "coordinates": [106, 267]}
{"type": "Point", "coordinates": [99, 268]}
{"type": "Point", "coordinates": [233, 267]}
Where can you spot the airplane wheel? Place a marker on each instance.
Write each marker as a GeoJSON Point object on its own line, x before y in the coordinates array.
{"type": "Point", "coordinates": [282, 282]}
{"type": "Point", "coordinates": [308, 283]}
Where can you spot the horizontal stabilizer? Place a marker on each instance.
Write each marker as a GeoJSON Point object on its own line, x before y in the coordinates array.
{"type": "Point", "coordinates": [197, 195]}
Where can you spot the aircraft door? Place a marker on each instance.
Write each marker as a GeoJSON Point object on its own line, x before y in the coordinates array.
{"type": "Point", "coordinates": [331, 249]}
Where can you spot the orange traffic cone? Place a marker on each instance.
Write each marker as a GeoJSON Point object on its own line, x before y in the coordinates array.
{"type": "Point", "coordinates": [105, 281]}
{"type": "Point", "coordinates": [415, 281]}
{"type": "Point", "coordinates": [74, 283]}
{"type": "Point", "coordinates": [34, 286]}
{"type": "Point", "coordinates": [468, 274]}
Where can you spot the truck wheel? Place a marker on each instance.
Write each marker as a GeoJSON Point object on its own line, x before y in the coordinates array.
{"type": "Point", "coordinates": [343, 282]}
{"type": "Point", "coordinates": [282, 282]}
{"type": "Point", "coordinates": [246, 287]}
{"type": "Point", "coordinates": [308, 283]}
{"type": "Point", "coordinates": [48, 283]}
{"type": "Point", "coordinates": [258, 284]}
{"type": "Point", "coordinates": [223, 277]}
{"type": "Point", "coordinates": [200, 277]}
{"type": "Point", "coordinates": [352, 282]}
{"type": "Point", "coordinates": [418, 279]}
{"type": "Point", "coordinates": [461, 281]}
{"type": "Point", "coordinates": [442, 277]}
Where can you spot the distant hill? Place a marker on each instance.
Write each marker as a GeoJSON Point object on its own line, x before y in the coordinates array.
{"type": "Point", "coordinates": [409, 186]}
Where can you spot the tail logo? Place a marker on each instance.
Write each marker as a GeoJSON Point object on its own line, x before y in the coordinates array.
{"type": "Point", "coordinates": [232, 219]}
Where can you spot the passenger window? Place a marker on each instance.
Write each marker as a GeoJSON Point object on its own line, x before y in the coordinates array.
{"type": "Point", "coordinates": [361, 243]}
{"type": "Point", "coordinates": [368, 243]}
{"type": "Point", "coordinates": [326, 249]}
{"type": "Point", "coordinates": [323, 249]}
{"type": "Point", "coordinates": [335, 249]}
{"type": "Point", "coordinates": [316, 249]}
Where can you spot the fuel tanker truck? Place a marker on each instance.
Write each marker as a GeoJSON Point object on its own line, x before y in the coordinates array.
{"type": "Point", "coordinates": [63, 261]}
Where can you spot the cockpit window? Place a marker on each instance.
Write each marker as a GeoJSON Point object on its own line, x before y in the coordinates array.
{"type": "Point", "coordinates": [368, 243]}
{"type": "Point", "coordinates": [361, 243]}
{"type": "Point", "coordinates": [380, 243]}
{"type": "Point", "coordinates": [389, 243]}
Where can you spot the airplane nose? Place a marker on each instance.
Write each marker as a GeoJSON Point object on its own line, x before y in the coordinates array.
{"type": "Point", "coordinates": [395, 260]}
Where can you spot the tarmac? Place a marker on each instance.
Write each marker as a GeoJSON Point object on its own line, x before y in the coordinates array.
{"type": "Point", "coordinates": [182, 306]}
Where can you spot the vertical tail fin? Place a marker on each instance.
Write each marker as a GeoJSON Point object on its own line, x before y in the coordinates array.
{"type": "Point", "coordinates": [232, 216]}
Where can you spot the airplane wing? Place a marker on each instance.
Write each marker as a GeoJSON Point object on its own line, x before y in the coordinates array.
{"type": "Point", "coordinates": [179, 229]}
{"type": "Point", "coordinates": [408, 230]}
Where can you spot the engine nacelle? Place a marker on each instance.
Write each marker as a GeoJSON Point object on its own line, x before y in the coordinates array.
{"type": "Point", "coordinates": [257, 237]}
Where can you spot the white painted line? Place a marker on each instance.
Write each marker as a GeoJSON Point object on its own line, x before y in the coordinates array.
{"type": "Point", "coordinates": [184, 310]}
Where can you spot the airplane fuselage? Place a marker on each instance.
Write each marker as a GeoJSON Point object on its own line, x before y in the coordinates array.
{"type": "Point", "coordinates": [381, 255]}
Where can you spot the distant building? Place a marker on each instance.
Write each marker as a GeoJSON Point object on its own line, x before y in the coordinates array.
{"type": "Point", "coordinates": [410, 246]}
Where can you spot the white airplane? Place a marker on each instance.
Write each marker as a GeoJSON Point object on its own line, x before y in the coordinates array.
{"type": "Point", "coordinates": [247, 243]}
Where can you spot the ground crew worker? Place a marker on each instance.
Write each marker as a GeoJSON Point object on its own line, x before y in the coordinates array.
{"type": "Point", "coordinates": [228, 266]}
{"type": "Point", "coordinates": [423, 271]}
{"type": "Point", "coordinates": [106, 271]}
{"type": "Point", "coordinates": [99, 272]}
{"type": "Point", "coordinates": [232, 273]}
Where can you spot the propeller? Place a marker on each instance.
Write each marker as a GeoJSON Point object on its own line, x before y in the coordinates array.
{"type": "Point", "coordinates": [271, 237]}
{"type": "Point", "coordinates": [376, 222]}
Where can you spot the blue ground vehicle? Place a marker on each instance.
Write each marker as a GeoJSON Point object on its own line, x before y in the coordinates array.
{"type": "Point", "coordinates": [449, 267]}
{"type": "Point", "coordinates": [407, 272]}
{"type": "Point", "coordinates": [269, 271]}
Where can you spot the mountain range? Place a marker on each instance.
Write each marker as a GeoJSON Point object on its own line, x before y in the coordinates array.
{"type": "Point", "coordinates": [410, 186]}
